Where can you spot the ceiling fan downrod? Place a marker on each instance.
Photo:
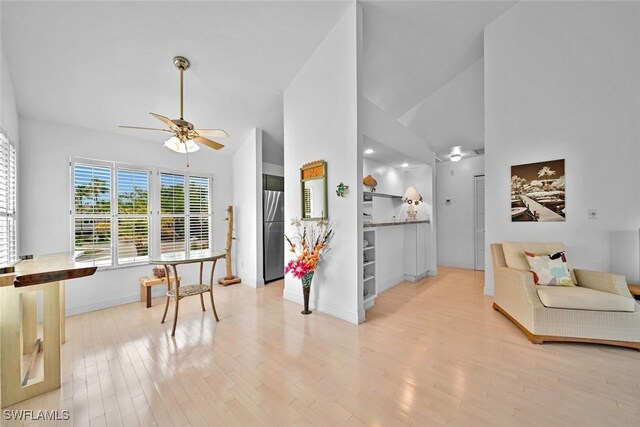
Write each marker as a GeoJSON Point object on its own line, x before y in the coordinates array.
{"type": "Point", "coordinates": [182, 64]}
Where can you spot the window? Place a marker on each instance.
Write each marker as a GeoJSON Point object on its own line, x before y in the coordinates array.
{"type": "Point", "coordinates": [8, 174]}
{"type": "Point", "coordinates": [185, 216]}
{"type": "Point", "coordinates": [110, 213]}
{"type": "Point", "coordinates": [92, 208]}
{"type": "Point", "coordinates": [113, 206]}
{"type": "Point", "coordinates": [172, 213]}
{"type": "Point", "coordinates": [133, 215]}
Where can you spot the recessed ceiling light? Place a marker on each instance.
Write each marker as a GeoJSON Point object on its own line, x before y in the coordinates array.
{"type": "Point", "coordinates": [455, 157]}
{"type": "Point", "coordinates": [405, 165]}
{"type": "Point", "coordinates": [369, 151]}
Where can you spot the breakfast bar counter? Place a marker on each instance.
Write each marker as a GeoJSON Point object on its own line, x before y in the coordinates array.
{"type": "Point", "coordinates": [20, 346]}
{"type": "Point", "coordinates": [391, 223]}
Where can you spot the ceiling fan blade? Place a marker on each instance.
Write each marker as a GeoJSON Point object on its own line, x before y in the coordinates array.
{"type": "Point", "coordinates": [137, 127]}
{"type": "Point", "coordinates": [216, 133]}
{"type": "Point", "coordinates": [209, 143]}
{"type": "Point", "coordinates": [164, 120]}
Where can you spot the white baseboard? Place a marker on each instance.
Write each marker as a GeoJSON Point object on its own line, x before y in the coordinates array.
{"type": "Point", "coordinates": [79, 309]}
{"type": "Point", "coordinates": [385, 285]}
{"type": "Point", "coordinates": [256, 283]}
{"type": "Point", "coordinates": [457, 264]}
{"type": "Point", "coordinates": [488, 290]}
{"type": "Point", "coordinates": [330, 309]}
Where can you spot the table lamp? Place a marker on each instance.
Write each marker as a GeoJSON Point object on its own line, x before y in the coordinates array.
{"type": "Point", "coordinates": [413, 199]}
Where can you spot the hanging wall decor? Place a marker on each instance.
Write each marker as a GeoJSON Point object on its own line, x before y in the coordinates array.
{"type": "Point", "coordinates": [538, 192]}
{"type": "Point", "coordinates": [342, 190]}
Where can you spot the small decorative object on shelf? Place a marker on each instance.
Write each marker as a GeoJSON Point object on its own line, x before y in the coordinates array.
{"type": "Point", "coordinates": [413, 199]}
{"type": "Point", "coordinates": [158, 271]}
{"type": "Point", "coordinates": [370, 182]}
{"type": "Point", "coordinates": [310, 246]}
{"type": "Point", "coordinates": [342, 190]}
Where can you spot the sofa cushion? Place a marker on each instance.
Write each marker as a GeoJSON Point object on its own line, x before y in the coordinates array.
{"type": "Point", "coordinates": [580, 298]}
{"type": "Point", "coordinates": [515, 258]}
{"type": "Point", "coordinates": [549, 270]}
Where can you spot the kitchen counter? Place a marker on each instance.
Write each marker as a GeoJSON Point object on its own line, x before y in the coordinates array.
{"type": "Point", "coordinates": [391, 223]}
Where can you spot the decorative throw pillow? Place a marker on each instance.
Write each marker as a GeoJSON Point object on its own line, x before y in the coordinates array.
{"type": "Point", "coordinates": [549, 269]}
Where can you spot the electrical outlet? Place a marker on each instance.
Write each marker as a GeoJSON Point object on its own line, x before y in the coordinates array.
{"type": "Point", "coordinates": [592, 214]}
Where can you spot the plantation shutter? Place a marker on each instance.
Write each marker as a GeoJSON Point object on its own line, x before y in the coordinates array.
{"type": "Point", "coordinates": [199, 212]}
{"type": "Point", "coordinates": [92, 188]}
{"type": "Point", "coordinates": [133, 215]}
{"type": "Point", "coordinates": [8, 164]}
{"type": "Point", "coordinates": [172, 213]}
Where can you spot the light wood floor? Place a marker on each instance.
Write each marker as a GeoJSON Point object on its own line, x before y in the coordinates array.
{"type": "Point", "coordinates": [430, 353]}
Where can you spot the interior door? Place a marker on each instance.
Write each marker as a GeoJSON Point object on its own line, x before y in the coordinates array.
{"type": "Point", "coordinates": [479, 221]}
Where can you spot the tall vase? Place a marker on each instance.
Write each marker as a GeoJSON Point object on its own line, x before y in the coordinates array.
{"type": "Point", "coordinates": [306, 289]}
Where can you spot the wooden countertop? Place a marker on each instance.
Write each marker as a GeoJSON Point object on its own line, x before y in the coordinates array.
{"type": "Point", "coordinates": [391, 223]}
{"type": "Point", "coordinates": [49, 268]}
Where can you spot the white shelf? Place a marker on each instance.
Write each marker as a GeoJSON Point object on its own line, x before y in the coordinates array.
{"type": "Point", "coordinates": [368, 247]}
{"type": "Point", "coordinates": [368, 203]}
{"type": "Point", "coordinates": [369, 298]}
{"type": "Point", "coordinates": [368, 263]}
{"type": "Point", "coordinates": [366, 279]}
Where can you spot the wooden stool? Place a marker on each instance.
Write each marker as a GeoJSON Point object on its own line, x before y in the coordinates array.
{"type": "Point", "coordinates": [146, 283]}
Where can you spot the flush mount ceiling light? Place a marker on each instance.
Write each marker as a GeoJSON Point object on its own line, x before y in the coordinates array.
{"type": "Point", "coordinates": [455, 157]}
{"type": "Point", "coordinates": [185, 137]}
{"type": "Point", "coordinates": [369, 151]}
{"type": "Point", "coordinates": [405, 165]}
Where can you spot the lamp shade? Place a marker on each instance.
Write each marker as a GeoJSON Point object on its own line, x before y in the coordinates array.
{"type": "Point", "coordinates": [175, 144]}
{"type": "Point", "coordinates": [411, 194]}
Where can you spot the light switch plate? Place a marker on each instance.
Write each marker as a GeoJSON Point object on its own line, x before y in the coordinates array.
{"type": "Point", "coordinates": [592, 214]}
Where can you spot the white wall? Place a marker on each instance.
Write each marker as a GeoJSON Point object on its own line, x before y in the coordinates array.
{"type": "Point", "coordinates": [456, 221]}
{"type": "Point", "coordinates": [247, 205]}
{"type": "Point", "coordinates": [390, 180]}
{"type": "Point", "coordinates": [8, 109]}
{"type": "Point", "coordinates": [271, 169]}
{"type": "Point", "coordinates": [45, 179]}
{"type": "Point", "coordinates": [562, 81]}
{"type": "Point", "coordinates": [321, 122]}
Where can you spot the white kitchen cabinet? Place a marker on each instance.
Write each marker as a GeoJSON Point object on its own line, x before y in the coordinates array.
{"type": "Point", "coordinates": [416, 251]}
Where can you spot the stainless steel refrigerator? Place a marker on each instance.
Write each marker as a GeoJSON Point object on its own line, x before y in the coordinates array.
{"type": "Point", "coordinates": [273, 214]}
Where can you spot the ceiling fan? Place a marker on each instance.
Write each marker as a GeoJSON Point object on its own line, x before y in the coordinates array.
{"type": "Point", "coordinates": [184, 135]}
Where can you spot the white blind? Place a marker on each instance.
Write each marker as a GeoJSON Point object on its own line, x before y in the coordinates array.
{"type": "Point", "coordinates": [133, 215]}
{"type": "Point", "coordinates": [199, 212]}
{"type": "Point", "coordinates": [92, 190]}
{"type": "Point", "coordinates": [172, 213]}
{"type": "Point", "coordinates": [8, 164]}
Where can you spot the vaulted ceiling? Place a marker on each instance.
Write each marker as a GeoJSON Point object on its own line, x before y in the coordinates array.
{"type": "Point", "coordinates": [102, 64]}
{"type": "Point", "coordinates": [422, 64]}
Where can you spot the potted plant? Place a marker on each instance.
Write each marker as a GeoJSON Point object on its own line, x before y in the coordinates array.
{"type": "Point", "coordinates": [310, 246]}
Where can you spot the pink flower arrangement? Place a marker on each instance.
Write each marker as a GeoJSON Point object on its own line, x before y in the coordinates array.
{"type": "Point", "coordinates": [297, 268]}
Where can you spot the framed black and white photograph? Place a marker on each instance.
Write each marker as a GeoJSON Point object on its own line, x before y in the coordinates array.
{"type": "Point", "coordinates": [538, 192]}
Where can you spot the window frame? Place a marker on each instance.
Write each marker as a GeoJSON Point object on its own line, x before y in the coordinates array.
{"type": "Point", "coordinates": [154, 214]}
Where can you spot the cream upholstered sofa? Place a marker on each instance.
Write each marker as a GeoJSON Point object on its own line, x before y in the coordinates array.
{"type": "Point", "coordinates": [599, 309]}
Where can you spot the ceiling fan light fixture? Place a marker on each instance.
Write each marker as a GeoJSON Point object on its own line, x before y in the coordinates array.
{"type": "Point", "coordinates": [456, 157]}
{"type": "Point", "coordinates": [175, 144]}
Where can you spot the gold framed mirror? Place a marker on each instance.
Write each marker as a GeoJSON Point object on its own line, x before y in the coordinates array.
{"type": "Point", "coordinates": [313, 191]}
